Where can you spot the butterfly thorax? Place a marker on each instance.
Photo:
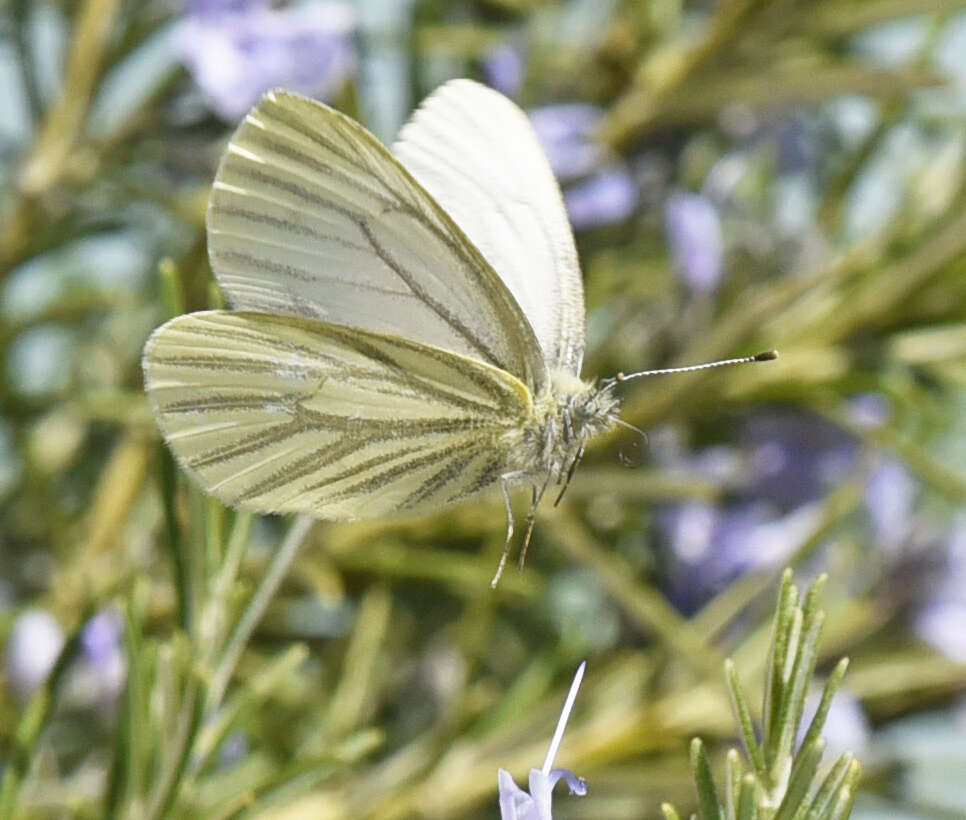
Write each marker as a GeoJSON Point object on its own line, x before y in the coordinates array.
{"type": "Point", "coordinates": [563, 418]}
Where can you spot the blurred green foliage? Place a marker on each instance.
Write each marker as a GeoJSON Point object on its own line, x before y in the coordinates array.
{"type": "Point", "coordinates": [372, 673]}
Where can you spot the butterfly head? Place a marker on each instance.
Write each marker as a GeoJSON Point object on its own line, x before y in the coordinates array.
{"type": "Point", "coordinates": [593, 410]}
{"type": "Point", "coordinates": [582, 410]}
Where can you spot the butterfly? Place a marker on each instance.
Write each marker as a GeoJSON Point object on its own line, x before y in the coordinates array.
{"type": "Point", "coordinates": [407, 325]}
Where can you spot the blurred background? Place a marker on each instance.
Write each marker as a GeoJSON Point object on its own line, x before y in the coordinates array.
{"type": "Point", "coordinates": [740, 175]}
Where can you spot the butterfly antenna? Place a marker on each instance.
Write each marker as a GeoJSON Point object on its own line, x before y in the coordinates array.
{"type": "Point", "coordinates": [620, 378]}
{"type": "Point", "coordinates": [570, 475]}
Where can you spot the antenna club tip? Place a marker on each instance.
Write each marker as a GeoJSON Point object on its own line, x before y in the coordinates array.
{"type": "Point", "coordinates": [766, 356]}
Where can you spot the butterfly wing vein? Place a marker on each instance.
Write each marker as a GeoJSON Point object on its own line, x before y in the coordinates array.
{"type": "Point", "coordinates": [280, 414]}
{"type": "Point", "coordinates": [311, 216]}
{"type": "Point", "coordinates": [476, 153]}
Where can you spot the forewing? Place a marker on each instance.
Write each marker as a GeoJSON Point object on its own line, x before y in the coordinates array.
{"type": "Point", "coordinates": [477, 154]}
{"type": "Point", "coordinates": [280, 414]}
{"type": "Point", "coordinates": [310, 215]}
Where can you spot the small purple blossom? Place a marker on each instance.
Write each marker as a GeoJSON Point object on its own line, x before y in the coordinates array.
{"type": "Point", "coordinates": [722, 464]}
{"type": "Point", "coordinates": [690, 528]}
{"type": "Point", "coordinates": [710, 546]}
{"type": "Point", "coordinates": [233, 749]}
{"type": "Point", "coordinates": [796, 147]}
{"type": "Point", "coordinates": [603, 199]}
{"type": "Point", "coordinates": [942, 621]}
{"type": "Point", "coordinates": [795, 458]}
{"type": "Point", "coordinates": [33, 645]}
{"type": "Point", "coordinates": [943, 625]}
{"type": "Point", "coordinates": [607, 193]}
{"type": "Point", "coordinates": [868, 410]}
{"type": "Point", "coordinates": [239, 49]}
{"type": "Point", "coordinates": [517, 804]}
{"type": "Point", "coordinates": [504, 68]}
{"type": "Point", "coordinates": [101, 637]}
{"type": "Point", "coordinates": [565, 133]}
{"type": "Point", "coordinates": [694, 234]}
{"type": "Point", "coordinates": [215, 7]}
{"type": "Point", "coordinates": [890, 492]}
{"type": "Point", "coordinates": [100, 675]}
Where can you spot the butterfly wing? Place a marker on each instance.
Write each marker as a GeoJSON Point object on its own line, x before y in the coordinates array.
{"type": "Point", "coordinates": [282, 414]}
{"type": "Point", "coordinates": [477, 154]}
{"type": "Point", "coordinates": [310, 215]}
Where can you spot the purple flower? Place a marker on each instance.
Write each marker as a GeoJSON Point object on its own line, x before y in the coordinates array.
{"type": "Point", "coordinates": [943, 625]}
{"type": "Point", "coordinates": [233, 749]}
{"type": "Point", "coordinates": [690, 529]}
{"type": "Point", "coordinates": [694, 235]}
{"type": "Point", "coordinates": [724, 465]}
{"type": "Point", "coordinates": [796, 458]}
{"type": "Point", "coordinates": [710, 547]}
{"type": "Point", "coordinates": [33, 645]}
{"type": "Point", "coordinates": [565, 133]}
{"type": "Point", "coordinates": [603, 199]}
{"type": "Point", "coordinates": [517, 804]}
{"type": "Point", "coordinates": [100, 675]}
{"type": "Point", "coordinates": [868, 410]}
{"type": "Point", "coordinates": [609, 193]}
{"type": "Point", "coordinates": [889, 495]}
{"type": "Point", "coordinates": [239, 49]}
{"type": "Point", "coordinates": [942, 621]}
{"type": "Point", "coordinates": [504, 69]}
{"type": "Point", "coordinates": [214, 7]}
{"type": "Point", "coordinates": [796, 148]}
{"type": "Point", "coordinates": [101, 637]}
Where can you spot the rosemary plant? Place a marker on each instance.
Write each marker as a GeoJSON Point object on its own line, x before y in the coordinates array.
{"type": "Point", "coordinates": [777, 780]}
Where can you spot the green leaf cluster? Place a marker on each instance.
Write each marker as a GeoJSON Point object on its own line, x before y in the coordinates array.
{"type": "Point", "coordinates": [780, 779]}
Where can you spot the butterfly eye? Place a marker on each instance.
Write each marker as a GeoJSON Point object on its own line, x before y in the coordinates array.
{"type": "Point", "coordinates": [588, 409]}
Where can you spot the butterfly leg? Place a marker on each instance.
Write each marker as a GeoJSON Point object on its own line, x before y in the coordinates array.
{"type": "Point", "coordinates": [505, 486]}
{"type": "Point", "coordinates": [531, 519]}
{"type": "Point", "coordinates": [535, 497]}
{"type": "Point", "coordinates": [568, 426]}
{"type": "Point", "coordinates": [570, 474]}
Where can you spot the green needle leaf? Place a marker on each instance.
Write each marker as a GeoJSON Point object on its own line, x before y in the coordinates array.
{"type": "Point", "coordinates": [709, 806]}
{"type": "Point", "coordinates": [743, 717]}
{"type": "Point", "coordinates": [824, 799]}
{"type": "Point", "coordinates": [802, 672]}
{"type": "Point", "coordinates": [748, 798]}
{"type": "Point", "coordinates": [831, 687]}
{"type": "Point", "coordinates": [670, 813]}
{"type": "Point", "coordinates": [774, 684]}
{"type": "Point", "coordinates": [734, 775]}
{"type": "Point", "coordinates": [781, 785]}
{"type": "Point", "coordinates": [803, 773]}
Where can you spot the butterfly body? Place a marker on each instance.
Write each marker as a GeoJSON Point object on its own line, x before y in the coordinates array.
{"type": "Point", "coordinates": [564, 418]}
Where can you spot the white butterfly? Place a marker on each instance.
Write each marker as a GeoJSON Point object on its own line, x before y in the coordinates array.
{"type": "Point", "coordinates": [407, 326]}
